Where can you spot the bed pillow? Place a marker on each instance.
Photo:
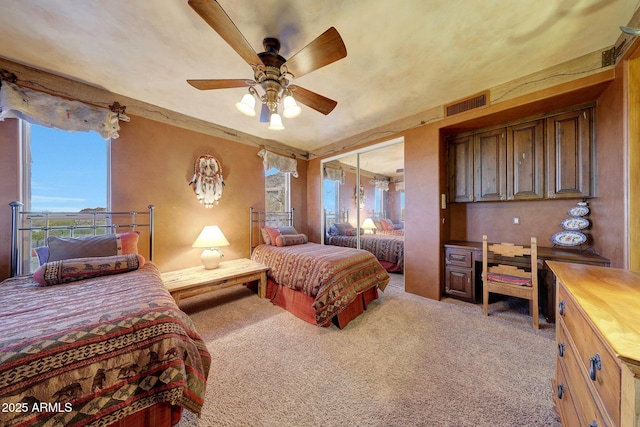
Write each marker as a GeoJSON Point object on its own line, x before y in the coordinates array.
{"type": "Point", "coordinates": [387, 224]}
{"type": "Point", "coordinates": [92, 246]}
{"type": "Point", "coordinates": [291, 239]}
{"type": "Point", "coordinates": [71, 270]}
{"type": "Point", "coordinates": [351, 232]}
{"type": "Point", "coordinates": [43, 254]}
{"type": "Point", "coordinates": [273, 232]}
{"type": "Point", "coordinates": [265, 236]}
{"type": "Point", "coordinates": [287, 230]}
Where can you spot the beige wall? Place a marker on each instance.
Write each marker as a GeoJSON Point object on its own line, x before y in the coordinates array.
{"type": "Point", "coordinates": [9, 191]}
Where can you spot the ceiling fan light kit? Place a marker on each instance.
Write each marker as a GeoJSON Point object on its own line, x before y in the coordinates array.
{"type": "Point", "coordinates": [272, 72]}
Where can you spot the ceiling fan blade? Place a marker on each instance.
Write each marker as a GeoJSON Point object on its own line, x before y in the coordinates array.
{"type": "Point", "coordinates": [313, 100]}
{"type": "Point", "coordinates": [265, 114]}
{"type": "Point", "coordinates": [217, 18]}
{"type": "Point", "coordinates": [325, 49]}
{"type": "Point", "coordinates": [220, 83]}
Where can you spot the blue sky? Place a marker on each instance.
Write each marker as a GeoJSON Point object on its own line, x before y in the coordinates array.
{"type": "Point", "coordinates": [69, 170]}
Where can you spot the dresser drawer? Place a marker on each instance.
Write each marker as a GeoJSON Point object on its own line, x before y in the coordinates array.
{"type": "Point", "coordinates": [458, 257]}
{"type": "Point", "coordinates": [563, 399]}
{"type": "Point", "coordinates": [586, 405]}
{"type": "Point", "coordinates": [598, 365]}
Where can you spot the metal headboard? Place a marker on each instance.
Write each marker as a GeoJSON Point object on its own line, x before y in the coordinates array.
{"type": "Point", "coordinates": [23, 221]}
{"type": "Point", "coordinates": [331, 217]}
{"type": "Point", "coordinates": [259, 219]}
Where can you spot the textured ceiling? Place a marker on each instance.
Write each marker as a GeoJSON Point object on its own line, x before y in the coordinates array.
{"type": "Point", "coordinates": [403, 57]}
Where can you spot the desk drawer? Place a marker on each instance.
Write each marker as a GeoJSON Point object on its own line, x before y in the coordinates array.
{"type": "Point", "coordinates": [458, 257]}
{"type": "Point", "coordinates": [603, 371]}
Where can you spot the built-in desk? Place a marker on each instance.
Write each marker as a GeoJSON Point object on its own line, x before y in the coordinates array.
{"type": "Point", "coordinates": [463, 269]}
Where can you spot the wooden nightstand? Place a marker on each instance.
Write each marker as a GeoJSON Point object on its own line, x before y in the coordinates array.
{"type": "Point", "coordinates": [193, 281]}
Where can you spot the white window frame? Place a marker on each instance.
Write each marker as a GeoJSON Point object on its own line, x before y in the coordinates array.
{"type": "Point", "coordinates": [25, 165]}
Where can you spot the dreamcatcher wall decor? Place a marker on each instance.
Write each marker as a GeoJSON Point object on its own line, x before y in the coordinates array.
{"type": "Point", "coordinates": [207, 180]}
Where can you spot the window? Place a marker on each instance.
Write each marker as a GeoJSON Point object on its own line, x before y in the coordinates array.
{"type": "Point", "coordinates": [277, 191]}
{"type": "Point", "coordinates": [379, 202]}
{"type": "Point", "coordinates": [331, 195]}
{"type": "Point", "coordinates": [62, 172]}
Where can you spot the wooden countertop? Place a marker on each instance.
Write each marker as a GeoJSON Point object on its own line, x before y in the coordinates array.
{"type": "Point", "coordinates": [611, 299]}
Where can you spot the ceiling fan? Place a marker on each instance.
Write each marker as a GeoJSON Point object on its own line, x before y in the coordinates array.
{"type": "Point", "coordinates": [271, 71]}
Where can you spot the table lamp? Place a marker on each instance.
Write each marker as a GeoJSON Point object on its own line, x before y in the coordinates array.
{"type": "Point", "coordinates": [368, 226]}
{"type": "Point", "coordinates": [210, 238]}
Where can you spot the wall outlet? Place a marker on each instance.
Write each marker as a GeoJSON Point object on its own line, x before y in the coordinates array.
{"type": "Point", "coordinates": [516, 220]}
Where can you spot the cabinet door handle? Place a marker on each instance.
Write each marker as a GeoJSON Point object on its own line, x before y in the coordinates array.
{"type": "Point", "coordinates": [594, 364]}
{"type": "Point", "coordinates": [560, 390]}
{"type": "Point", "coordinates": [561, 347]}
{"type": "Point", "coordinates": [562, 306]}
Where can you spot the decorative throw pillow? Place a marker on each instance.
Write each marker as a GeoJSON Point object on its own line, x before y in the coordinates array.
{"type": "Point", "coordinates": [273, 232]}
{"type": "Point", "coordinates": [265, 236]}
{"type": "Point", "coordinates": [71, 270]}
{"type": "Point", "coordinates": [291, 239]}
{"type": "Point", "coordinates": [387, 224]}
{"type": "Point", "coordinates": [92, 246]}
{"type": "Point", "coordinates": [351, 232]}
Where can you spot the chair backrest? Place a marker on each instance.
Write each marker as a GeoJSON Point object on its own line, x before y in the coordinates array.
{"type": "Point", "coordinates": [508, 252]}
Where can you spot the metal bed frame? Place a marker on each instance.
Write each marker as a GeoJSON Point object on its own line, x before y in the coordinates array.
{"type": "Point", "coordinates": [23, 221]}
{"type": "Point", "coordinates": [259, 219]}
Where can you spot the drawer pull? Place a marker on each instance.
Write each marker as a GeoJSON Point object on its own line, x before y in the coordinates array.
{"type": "Point", "coordinates": [561, 349]}
{"type": "Point", "coordinates": [594, 363]}
{"type": "Point", "coordinates": [457, 257]}
{"type": "Point", "coordinates": [560, 390]}
{"type": "Point", "coordinates": [593, 424]}
{"type": "Point", "coordinates": [562, 307]}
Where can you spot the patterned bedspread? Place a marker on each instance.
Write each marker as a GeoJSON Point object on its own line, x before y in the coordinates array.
{"type": "Point", "coordinates": [94, 351]}
{"type": "Point", "coordinates": [390, 232]}
{"type": "Point", "coordinates": [334, 276]}
{"type": "Point", "coordinates": [385, 248]}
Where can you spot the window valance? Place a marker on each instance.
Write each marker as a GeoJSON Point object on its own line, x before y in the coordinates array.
{"type": "Point", "coordinates": [282, 163]}
{"type": "Point", "coordinates": [381, 184]}
{"type": "Point", "coordinates": [47, 110]}
{"type": "Point", "coordinates": [334, 175]}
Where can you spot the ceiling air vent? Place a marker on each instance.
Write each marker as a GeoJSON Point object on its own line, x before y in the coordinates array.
{"type": "Point", "coordinates": [467, 104]}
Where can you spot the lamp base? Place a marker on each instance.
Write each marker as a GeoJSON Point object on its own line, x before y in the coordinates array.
{"type": "Point", "coordinates": [211, 258]}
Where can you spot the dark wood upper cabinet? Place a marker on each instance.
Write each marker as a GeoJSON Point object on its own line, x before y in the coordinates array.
{"type": "Point", "coordinates": [490, 155]}
{"type": "Point", "coordinates": [569, 145]}
{"type": "Point", "coordinates": [525, 161]}
{"type": "Point", "coordinates": [460, 168]}
{"type": "Point", "coordinates": [546, 158]}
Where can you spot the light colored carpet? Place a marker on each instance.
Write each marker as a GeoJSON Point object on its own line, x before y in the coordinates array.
{"type": "Point", "coordinates": [407, 361]}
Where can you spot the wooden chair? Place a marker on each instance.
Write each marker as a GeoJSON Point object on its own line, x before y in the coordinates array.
{"type": "Point", "coordinates": [508, 277]}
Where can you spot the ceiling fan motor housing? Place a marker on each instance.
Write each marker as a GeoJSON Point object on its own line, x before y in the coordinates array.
{"type": "Point", "coordinates": [270, 77]}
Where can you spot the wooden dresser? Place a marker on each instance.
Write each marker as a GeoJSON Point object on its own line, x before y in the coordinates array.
{"type": "Point", "coordinates": [597, 381]}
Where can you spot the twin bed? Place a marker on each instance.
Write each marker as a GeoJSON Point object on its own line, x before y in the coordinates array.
{"type": "Point", "coordinates": [94, 340]}
{"type": "Point", "coordinates": [318, 283]}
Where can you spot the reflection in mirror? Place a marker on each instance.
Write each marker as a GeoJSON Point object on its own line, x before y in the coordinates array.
{"type": "Point", "coordinates": [367, 183]}
{"type": "Point", "coordinates": [363, 203]}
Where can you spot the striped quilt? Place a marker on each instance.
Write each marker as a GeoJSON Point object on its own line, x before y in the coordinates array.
{"type": "Point", "coordinates": [93, 351]}
{"type": "Point", "coordinates": [333, 276]}
{"type": "Point", "coordinates": [384, 247]}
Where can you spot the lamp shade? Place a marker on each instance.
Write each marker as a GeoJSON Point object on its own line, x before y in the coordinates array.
{"type": "Point", "coordinates": [210, 237]}
{"type": "Point", "coordinates": [368, 224]}
{"type": "Point", "coordinates": [276, 122]}
{"type": "Point", "coordinates": [291, 109]}
{"type": "Point", "coordinates": [247, 105]}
